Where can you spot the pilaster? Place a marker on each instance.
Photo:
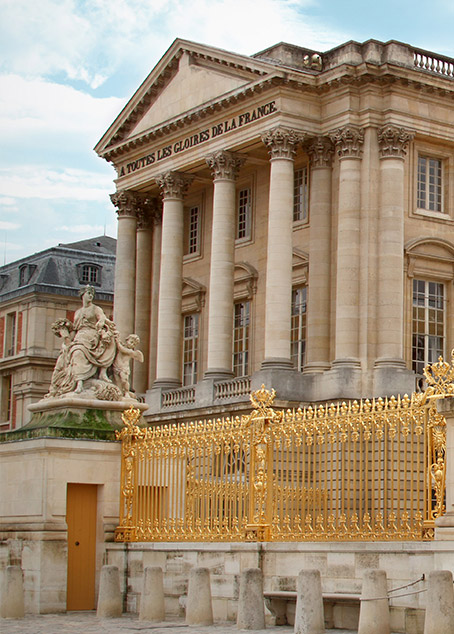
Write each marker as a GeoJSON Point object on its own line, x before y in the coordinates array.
{"type": "Point", "coordinates": [320, 150]}
{"type": "Point", "coordinates": [348, 142]}
{"type": "Point", "coordinates": [392, 142]}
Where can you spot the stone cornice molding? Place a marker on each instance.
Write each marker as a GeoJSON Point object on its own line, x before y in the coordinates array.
{"type": "Point", "coordinates": [320, 150]}
{"type": "Point", "coordinates": [127, 202]}
{"type": "Point", "coordinates": [348, 141]}
{"type": "Point", "coordinates": [148, 213]}
{"type": "Point", "coordinates": [282, 142]}
{"type": "Point", "coordinates": [174, 184]}
{"type": "Point", "coordinates": [225, 165]}
{"type": "Point", "coordinates": [393, 141]}
{"type": "Point", "coordinates": [195, 115]}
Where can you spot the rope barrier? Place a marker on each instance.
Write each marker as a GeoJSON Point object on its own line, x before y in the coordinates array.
{"type": "Point", "coordinates": [405, 594]}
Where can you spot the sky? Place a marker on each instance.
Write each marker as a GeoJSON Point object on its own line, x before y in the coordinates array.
{"type": "Point", "coordinates": [67, 68]}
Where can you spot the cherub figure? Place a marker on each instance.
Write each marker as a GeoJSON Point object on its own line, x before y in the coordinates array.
{"type": "Point", "coordinates": [121, 365]}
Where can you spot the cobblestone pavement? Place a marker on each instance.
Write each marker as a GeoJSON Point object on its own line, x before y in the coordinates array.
{"type": "Point", "coordinates": [88, 623]}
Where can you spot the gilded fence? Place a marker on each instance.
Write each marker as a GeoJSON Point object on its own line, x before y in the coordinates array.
{"type": "Point", "coordinates": [367, 470]}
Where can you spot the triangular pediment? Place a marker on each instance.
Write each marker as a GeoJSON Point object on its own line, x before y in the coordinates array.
{"type": "Point", "coordinates": [188, 77]}
{"type": "Point", "coordinates": [192, 85]}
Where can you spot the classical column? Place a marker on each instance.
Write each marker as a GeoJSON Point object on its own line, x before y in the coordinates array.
{"type": "Point", "coordinates": [154, 300]}
{"type": "Point", "coordinates": [168, 367]}
{"type": "Point", "coordinates": [348, 142]}
{"type": "Point", "coordinates": [282, 143]}
{"type": "Point", "coordinates": [225, 167]}
{"type": "Point", "coordinates": [127, 203]}
{"type": "Point", "coordinates": [392, 142]}
{"type": "Point", "coordinates": [320, 150]}
{"type": "Point", "coordinates": [146, 217]}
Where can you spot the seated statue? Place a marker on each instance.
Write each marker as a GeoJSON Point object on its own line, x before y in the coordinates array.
{"type": "Point", "coordinates": [94, 345]}
{"type": "Point", "coordinates": [92, 358]}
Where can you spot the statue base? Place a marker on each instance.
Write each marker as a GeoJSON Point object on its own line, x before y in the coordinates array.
{"type": "Point", "coordinates": [73, 417]}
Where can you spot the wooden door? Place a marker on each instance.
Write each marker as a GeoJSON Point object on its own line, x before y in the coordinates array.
{"type": "Point", "coordinates": [81, 515]}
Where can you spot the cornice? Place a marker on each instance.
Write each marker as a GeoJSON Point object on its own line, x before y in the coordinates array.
{"type": "Point", "coordinates": [342, 77]}
{"type": "Point", "coordinates": [165, 70]}
{"type": "Point", "coordinates": [192, 116]}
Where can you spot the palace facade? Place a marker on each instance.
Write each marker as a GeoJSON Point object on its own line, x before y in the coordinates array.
{"type": "Point", "coordinates": [34, 292]}
{"type": "Point", "coordinates": [285, 219]}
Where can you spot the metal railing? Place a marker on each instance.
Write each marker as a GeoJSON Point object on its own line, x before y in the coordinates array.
{"type": "Point", "coordinates": [367, 470]}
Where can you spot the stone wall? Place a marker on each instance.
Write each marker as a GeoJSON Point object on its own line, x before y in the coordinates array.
{"type": "Point", "coordinates": [341, 565]}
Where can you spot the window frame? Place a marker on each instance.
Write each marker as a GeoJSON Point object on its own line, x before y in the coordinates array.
{"type": "Point", "coordinates": [304, 219]}
{"type": "Point", "coordinates": [191, 344]}
{"type": "Point", "coordinates": [446, 158]}
{"type": "Point", "coordinates": [82, 266]}
{"type": "Point", "coordinates": [193, 203]}
{"type": "Point", "coordinates": [241, 358]}
{"type": "Point", "coordinates": [300, 341]}
{"type": "Point", "coordinates": [10, 342]}
{"type": "Point", "coordinates": [429, 356]}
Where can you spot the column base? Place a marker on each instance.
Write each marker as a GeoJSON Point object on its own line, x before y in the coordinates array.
{"type": "Point", "coordinates": [316, 367]}
{"type": "Point", "coordinates": [277, 363]}
{"type": "Point", "coordinates": [218, 374]}
{"type": "Point", "coordinates": [391, 377]}
{"type": "Point", "coordinates": [167, 384]}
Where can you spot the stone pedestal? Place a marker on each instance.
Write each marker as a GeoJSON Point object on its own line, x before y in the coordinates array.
{"type": "Point", "coordinates": [72, 417]}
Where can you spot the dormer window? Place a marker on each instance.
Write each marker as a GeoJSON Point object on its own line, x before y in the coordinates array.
{"type": "Point", "coordinates": [25, 273]}
{"type": "Point", "coordinates": [90, 274]}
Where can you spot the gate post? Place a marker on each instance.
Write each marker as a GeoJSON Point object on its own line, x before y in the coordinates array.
{"type": "Point", "coordinates": [261, 465]}
{"type": "Point", "coordinates": [444, 525]}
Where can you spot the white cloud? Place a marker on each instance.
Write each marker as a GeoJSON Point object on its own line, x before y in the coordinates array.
{"type": "Point", "coordinates": [90, 229]}
{"type": "Point", "coordinates": [8, 226]}
{"type": "Point", "coordinates": [8, 202]}
{"type": "Point", "coordinates": [36, 106]}
{"type": "Point", "coordinates": [89, 41]}
{"type": "Point", "coordinates": [39, 182]}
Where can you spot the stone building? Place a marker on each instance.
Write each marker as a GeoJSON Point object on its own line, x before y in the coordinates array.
{"type": "Point", "coordinates": [287, 219]}
{"type": "Point", "coordinates": [34, 292]}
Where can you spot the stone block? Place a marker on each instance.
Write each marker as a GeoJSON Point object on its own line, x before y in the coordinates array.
{"type": "Point", "coordinates": [199, 609]}
{"type": "Point", "coordinates": [109, 597]}
{"type": "Point", "coordinates": [251, 611]}
{"type": "Point", "coordinates": [414, 621]}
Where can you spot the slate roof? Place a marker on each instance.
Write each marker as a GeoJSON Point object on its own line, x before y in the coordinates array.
{"type": "Point", "coordinates": [57, 270]}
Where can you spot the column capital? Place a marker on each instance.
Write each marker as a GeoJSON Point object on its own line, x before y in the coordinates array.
{"type": "Point", "coordinates": [225, 165]}
{"type": "Point", "coordinates": [174, 184]}
{"type": "Point", "coordinates": [320, 150]}
{"type": "Point", "coordinates": [282, 142]}
{"type": "Point", "coordinates": [393, 141]}
{"type": "Point", "coordinates": [127, 202]}
{"type": "Point", "coordinates": [148, 213]}
{"type": "Point", "coordinates": [348, 141]}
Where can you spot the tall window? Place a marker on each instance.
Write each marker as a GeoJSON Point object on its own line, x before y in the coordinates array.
{"type": "Point", "coordinates": [298, 327]}
{"type": "Point", "coordinates": [89, 274]}
{"type": "Point", "coordinates": [10, 338]}
{"type": "Point", "coordinates": [194, 230]}
{"type": "Point", "coordinates": [241, 325]}
{"type": "Point", "coordinates": [243, 224]}
{"type": "Point", "coordinates": [6, 400]}
{"type": "Point", "coordinates": [300, 194]}
{"type": "Point", "coordinates": [190, 348]}
{"type": "Point", "coordinates": [429, 183]}
{"type": "Point", "coordinates": [429, 307]}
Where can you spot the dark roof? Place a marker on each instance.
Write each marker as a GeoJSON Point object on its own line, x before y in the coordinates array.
{"type": "Point", "coordinates": [100, 244]}
{"type": "Point", "coordinates": [58, 270]}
